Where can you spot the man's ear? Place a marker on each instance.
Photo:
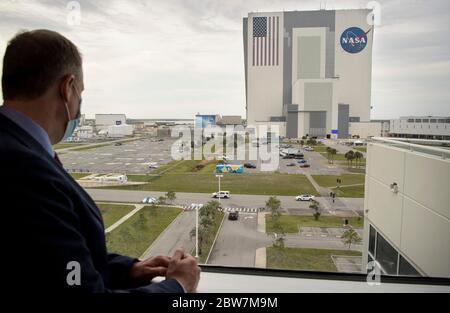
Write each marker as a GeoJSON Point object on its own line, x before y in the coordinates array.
{"type": "Point", "coordinates": [65, 86]}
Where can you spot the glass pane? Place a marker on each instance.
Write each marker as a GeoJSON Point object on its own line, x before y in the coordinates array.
{"type": "Point", "coordinates": [372, 236]}
{"type": "Point", "coordinates": [406, 269]}
{"type": "Point", "coordinates": [387, 256]}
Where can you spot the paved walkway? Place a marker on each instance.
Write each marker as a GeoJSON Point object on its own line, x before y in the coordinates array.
{"type": "Point", "coordinates": [138, 207]}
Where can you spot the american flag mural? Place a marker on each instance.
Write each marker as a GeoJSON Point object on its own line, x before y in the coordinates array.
{"type": "Point", "coordinates": [266, 41]}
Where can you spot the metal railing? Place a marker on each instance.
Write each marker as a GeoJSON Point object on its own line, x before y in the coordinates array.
{"type": "Point", "coordinates": [417, 145]}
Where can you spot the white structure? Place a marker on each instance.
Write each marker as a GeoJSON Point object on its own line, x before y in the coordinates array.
{"type": "Point", "coordinates": [407, 208]}
{"type": "Point", "coordinates": [85, 132]}
{"type": "Point", "coordinates": [365, 129]}
{"type": "Point", "coordinates": [424, 127]}
{"type": "Point", "coordinates": [110, 119]}
{"type": "Point", "coordinates": [309, 70]}
{"type": "Point", "coordinates": [117, 131]}
{"type": "Point", "coordinates": [111, 178]}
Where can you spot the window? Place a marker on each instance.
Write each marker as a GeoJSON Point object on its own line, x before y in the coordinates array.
{"type": "Point", "coordinates": [406, 269]}
{"type": "Point", "coordinates": [372, 237]}
{"type": "Point", "coordinates": [173, 66]}
{"type": "Point", "coordinates": [386, 255]}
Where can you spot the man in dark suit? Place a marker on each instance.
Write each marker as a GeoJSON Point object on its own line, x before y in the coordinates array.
{"type": "Point", "coordinates": [52, 231]}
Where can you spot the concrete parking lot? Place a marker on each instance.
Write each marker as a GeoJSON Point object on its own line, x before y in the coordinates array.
{"type": "Point", "coordinates": [129, 157]}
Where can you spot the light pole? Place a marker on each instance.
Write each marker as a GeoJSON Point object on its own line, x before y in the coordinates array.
{"type": "Point", "coordinates": [219, 177]}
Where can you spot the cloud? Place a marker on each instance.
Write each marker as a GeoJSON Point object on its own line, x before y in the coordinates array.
{"type": "Point", "coordinates": [175, 58]}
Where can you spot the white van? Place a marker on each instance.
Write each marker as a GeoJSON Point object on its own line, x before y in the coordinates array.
{"type": "Point", "coordinates": [221, 194]}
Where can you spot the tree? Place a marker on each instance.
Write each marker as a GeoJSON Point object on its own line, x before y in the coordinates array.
{"type": "Point", "coordinates": [315, 205]}
{"type": "Point", "coordinates": [328, 154]}
{"type": "Point", "coordinates": [171, 196]}
{"type": "Point", "coordinates": [350, 236]}
{"type": "Point", "coordinates": [302, 142]}
{"type": "Point", "coordinates": [274, 204]}
{"type": "Point", "coordinates": [350, 155]}
{"type": "Point", "coordinates": [333, 152]}
{"type": "Point", "coordinates": [162, 200]}
{"type": "Point", "coordinates": [358, 156]}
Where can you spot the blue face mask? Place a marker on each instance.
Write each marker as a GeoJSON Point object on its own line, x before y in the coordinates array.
{"type": "Point", "coordinates": [72, 123]}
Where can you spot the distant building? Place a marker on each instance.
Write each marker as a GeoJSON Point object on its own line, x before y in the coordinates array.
{"type": "Point", "coordinates": [110, 119]}
{"type": "Point", "coordinates": [230, 120]}
{"type": "Point", "coordinates": [308, 72]}
{"type": "Point", "coordinates": [406, 205]}
{"type": "Point", "coordinates": [118, 131]}
{"type": "Point", "coordinates": [421, 127]}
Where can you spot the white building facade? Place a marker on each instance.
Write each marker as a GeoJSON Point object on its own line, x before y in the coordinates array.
{"type": "Point", "coordinates": [422, 127]}
{"type": "Point", "coordinates": [407, 208]}
{"type": "Point", "coordinates": [310, 70]}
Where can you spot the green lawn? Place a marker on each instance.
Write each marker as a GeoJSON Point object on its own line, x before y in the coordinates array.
{"type": "Point", "coordinates": [257, 184]}
{"type": "Point", "coordinates": [305, 259]}
{"type": "Point", "coordinates": [135, 235]}
{"type": "Point", "coordinates": [350, 192]}
{"type": "Point", "coordinates": [361, 149]}
{"type": "Point", "coordinates": [91, 147]}
{"type": "Point", "coordinates": [320, 149]}
{"type": "Point", "coordinates": [79, 175]}
{"type": "Point", "coordinates": [291, 223]}
{"type": "Point", "coordinates": [113, 212]}
{"type": "Point", "coordinates": [347, 179]}
{"type": "Point", "coordinates": [207, 245]}
{"type": "Point", "coordinates": [66, 145]}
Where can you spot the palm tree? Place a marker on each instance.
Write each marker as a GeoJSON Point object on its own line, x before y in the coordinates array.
{"type": "Point", "coordinates": [315, 205]}
{"type": "Point", "coordinates": [333, 152]}
{"type": "Point", "coordinates": [350, 155]}
{"type": "Point", "coordinates": [274, 205]}
{"type": "Point", "coordinates": [358, 156]}
{"type": "Point", "coordinates": [328, 154]}
{"type": "Point", "coordinates": [171, 196]}
{"type": "Point", "coordinates": [350, 236]}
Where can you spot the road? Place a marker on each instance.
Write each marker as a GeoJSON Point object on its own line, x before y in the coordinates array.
{"type": "Point", "coordinates": [346, 205]}
{"type": "Point", "coordinates": [238, 241]}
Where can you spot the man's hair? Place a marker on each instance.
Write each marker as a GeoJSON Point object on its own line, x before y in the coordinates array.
{"type": "Point", "coordinates": [34, 60]}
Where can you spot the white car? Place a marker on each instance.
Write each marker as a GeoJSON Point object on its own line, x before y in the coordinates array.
{"type": "Point", "coordinates": [149, 200]}
{"type": "Point", "coordinates": [308, 148]}
{"type": "Point", "coordinates": [304, 198]}
{"type": "Point", "coordinates": [221, 194]}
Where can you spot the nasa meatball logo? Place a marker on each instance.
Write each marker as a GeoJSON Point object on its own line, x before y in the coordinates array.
{"type": "Point", "coordinates": [354, 39]}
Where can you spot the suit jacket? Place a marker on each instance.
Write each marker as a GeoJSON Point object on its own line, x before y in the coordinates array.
{"type": "Point", "coordinates": [48, 221]}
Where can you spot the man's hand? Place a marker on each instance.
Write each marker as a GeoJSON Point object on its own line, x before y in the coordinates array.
{"type": "Point", "coordinates": [184, 268]}
{"type": "Point", "coordinates": [144, 271]}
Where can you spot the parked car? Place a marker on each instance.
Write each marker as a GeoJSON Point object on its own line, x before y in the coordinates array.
{"type": "Point", "coordinates": [233, 216]}
{"type": "Point", "coordinates": [308, 148]}
{"type": "Point", "coordinates": [299, 156]}
{"type": "Point", "coordinates": [118, 144]}
{"type": "Point", "coordinates": [303, 161]}
{"type": "Point", "coordinates": [304, 165]}
{"type": "Point", "coordinates": [249, 165]}
{"type": "Point", "coordinates": [290, 164]}
{"type": "Point", "coordinates": [287, 157]}
{"type": "Point", "coordinates": [221, 194]}
{"type": "Point", "coordinates": [149, 200]}
{"type": "Point", "coordinates": [305, 197]}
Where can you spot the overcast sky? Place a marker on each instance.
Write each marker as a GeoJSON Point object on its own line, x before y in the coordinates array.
{"type": "Point", "coordinates": [174, 58]}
